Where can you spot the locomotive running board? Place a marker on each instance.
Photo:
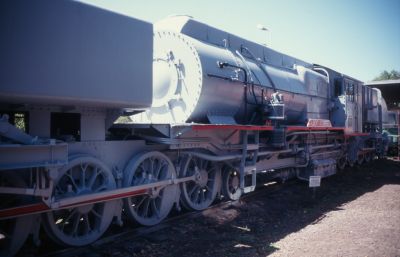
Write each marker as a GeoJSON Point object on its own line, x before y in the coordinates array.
{"type": "Point", "coordinates": [230, 126]}
{"type": "Point", "coordinates": [303, 128]}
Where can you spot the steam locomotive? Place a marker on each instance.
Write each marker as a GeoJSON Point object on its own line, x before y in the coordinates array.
{"type": "Point", "coordinates": [105, 116]}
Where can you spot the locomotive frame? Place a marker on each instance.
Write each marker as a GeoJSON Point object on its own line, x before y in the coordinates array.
{"type": "Point", "coordinates": [219, 159]}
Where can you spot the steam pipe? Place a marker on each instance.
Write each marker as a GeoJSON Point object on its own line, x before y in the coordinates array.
{"type": "Point", "coordinates": [261, 67]}
{"type": "Point", "coordinates": [225, 64]}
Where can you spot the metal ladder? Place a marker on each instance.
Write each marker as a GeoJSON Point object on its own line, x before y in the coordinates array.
{"type": "Point", "coordinates": [249, 159]}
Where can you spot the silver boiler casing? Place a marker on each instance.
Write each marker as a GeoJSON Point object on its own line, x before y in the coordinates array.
{"type": "Point", "coordinates": [189, 86]}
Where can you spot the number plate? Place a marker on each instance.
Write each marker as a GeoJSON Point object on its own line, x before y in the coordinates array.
{"type": "Point", "coordinates": [314, 181]}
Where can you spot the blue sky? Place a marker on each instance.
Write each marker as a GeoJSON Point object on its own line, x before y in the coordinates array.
{"type": "Point", "coordinates": [358, 37]}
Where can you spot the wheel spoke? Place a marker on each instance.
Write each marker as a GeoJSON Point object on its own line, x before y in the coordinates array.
{"type": "Point", "coordinates": [160, 168]}
{"type": "Point", "coordinates": [70, 215]}
{"type": "Point", "coordinates": [59, 191]}
{"type": "Point", "coordinates": [101, 188]}
{"type": "Point", "coordinates": [200, 197]}
{"type": "Point", "coordinates": [72, 181]}
{"type": "Point", "coordinates": [138, 181]}
{"type": "Point", "coordinates": [154, 208]}
{"type": "Point", "coordinates": [213, 168]}
{"type": "Point", "coordinates": [196, 196]}
{"type": "Point", "coordinates": [195, 187]}
{"type": "Point", "coordinates": [145, 208]}
{"type": "Point", "coordinates": [84, 167]}
{"type": "Point", "coordinates": [93, 178]}
{"type": "Point", "coordinates": [203, 164]}
{"type": "Point", "coordinates": [230, 184]}
{"type": "Point", "coordinates": [75, 224]}
{"type": "Point", "coordinates": [83, 224]}
{"type": "Point", "coordinates": [143, 170]}
{"type": "Point", "coordinates": [194, 160]}
{"type": "Point", "coordinates": [95, 213]}
{"type": "Point", "coordinates": [141, 202]}
{"type": "Point", "coordinates": [87, 223]}
{"type": "Point", "coordinates": [149, 167]}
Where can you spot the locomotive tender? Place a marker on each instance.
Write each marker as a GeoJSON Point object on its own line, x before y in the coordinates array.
{"type": "Point", "coordinates": [97, 123]}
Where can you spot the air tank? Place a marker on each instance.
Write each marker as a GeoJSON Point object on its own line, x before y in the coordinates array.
{"type": "Point", "coordinates": [203, 74]}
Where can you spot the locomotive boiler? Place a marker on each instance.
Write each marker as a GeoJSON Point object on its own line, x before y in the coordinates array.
{"type": "Point", "coordinates": [203, 74]}
{"type": "Point", "coordinates": [107, 118]}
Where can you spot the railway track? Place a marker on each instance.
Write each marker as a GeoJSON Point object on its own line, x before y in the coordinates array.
{"type": "Point", "coordinates": [136, 232]}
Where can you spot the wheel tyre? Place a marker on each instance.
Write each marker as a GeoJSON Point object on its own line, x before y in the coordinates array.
{"type": "Point", "coordinates": [230, 185]}
{"type": "Point", "coordinates": [97, 214]}
{"type": "Point", "coordinates": [197, 195]}
{"type": "Point", "coordinates": [156, 207]}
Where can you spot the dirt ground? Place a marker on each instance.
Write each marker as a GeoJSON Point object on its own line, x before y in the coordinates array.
{"type": "Point", "coordinates": [354, 213]}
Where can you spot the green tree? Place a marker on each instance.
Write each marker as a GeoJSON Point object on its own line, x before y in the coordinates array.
{"type": "Point", "coordinates": [386, 75]}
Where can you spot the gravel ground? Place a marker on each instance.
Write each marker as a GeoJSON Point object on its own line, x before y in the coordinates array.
{"type": "Point", "coordinates": [366, 226]}
{"type": "Point", "coordinates": [354, 213]}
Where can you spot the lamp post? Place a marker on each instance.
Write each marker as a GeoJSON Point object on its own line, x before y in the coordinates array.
{"type": "Point", "coordinates": [263, 28]}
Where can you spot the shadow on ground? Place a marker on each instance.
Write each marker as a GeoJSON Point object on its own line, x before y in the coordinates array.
{"type": "Point", "coordinates": [251, 227]}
